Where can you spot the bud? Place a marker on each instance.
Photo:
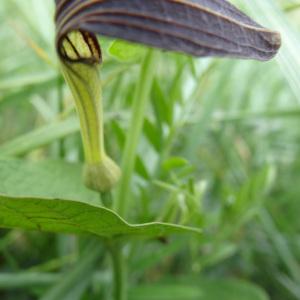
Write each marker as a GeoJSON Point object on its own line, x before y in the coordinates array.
{"type": "Point", "coordinates": [102, 176]}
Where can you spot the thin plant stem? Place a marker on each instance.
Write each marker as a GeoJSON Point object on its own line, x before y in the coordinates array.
{"type": "Point", "coordinates": [141, 96]}
{"type": "Point", "coordinates": [60, 112]}
{"type": "Point", "coordinates": [106, 199]}
{"type": "Point", "coordinates": [119, 272]}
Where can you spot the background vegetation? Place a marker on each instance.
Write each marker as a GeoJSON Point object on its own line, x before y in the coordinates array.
{"type": "Point", "coordinates": [220, 150]}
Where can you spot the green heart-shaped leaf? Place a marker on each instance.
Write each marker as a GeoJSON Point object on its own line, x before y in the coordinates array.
{"type": "Point", "coordinates": [49, 196]}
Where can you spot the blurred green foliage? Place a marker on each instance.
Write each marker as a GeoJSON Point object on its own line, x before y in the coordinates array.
{"type": "Point", "coordinates": [220, 150]}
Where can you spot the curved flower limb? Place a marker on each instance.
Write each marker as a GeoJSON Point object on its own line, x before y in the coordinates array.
{"type": "Point", "coordinates": [196, 27]}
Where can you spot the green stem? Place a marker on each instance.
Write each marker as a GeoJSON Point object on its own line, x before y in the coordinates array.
{"type": "Point", "coordinates": [141, 96]}
{"type": "Point", "coordinates": [60, 111]}
{"type": "Point", "coordinates": [119, 271]}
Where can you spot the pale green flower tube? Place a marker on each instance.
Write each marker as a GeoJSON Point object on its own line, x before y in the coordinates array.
{"type": "Point", "coordinates": [81, 73]}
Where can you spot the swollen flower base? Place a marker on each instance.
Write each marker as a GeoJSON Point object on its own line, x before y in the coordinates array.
{"type": "Point", "coordinates": [102, 176]}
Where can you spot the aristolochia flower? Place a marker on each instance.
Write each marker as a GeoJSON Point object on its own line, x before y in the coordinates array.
{"type": "Point", "coordinates": [195, 27]}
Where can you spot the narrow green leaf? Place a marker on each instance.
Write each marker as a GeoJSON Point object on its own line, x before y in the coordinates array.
{"type": "Point", "coordinates": [27, 279]}
{"type": "Point", "coordinates": [39, 137]}
{"type": "Point", "coordinates": [125, 51]}
{"type": "Point", "coordinates": [162, 109]}
{"type": "Point", "coordinates": [174, 163]}
{"type": "Point", "coordinates": [201, 289]}
{"type": "Point", "coordinates": [141, 169]}
{"type": "Point", "coordinates": [153, 135]}
{"type": "Point", "coordinates": [30, 80]}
